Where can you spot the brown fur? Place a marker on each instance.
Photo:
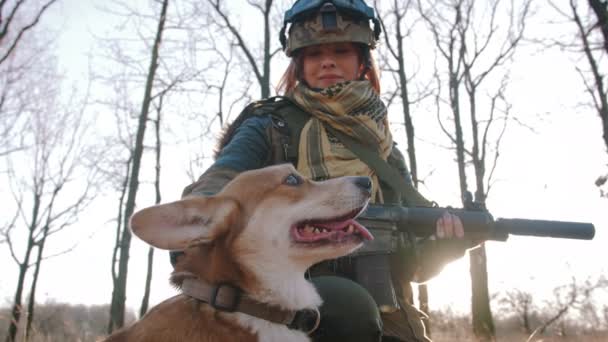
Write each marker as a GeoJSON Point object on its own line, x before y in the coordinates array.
{"type": "Point", "coordinates": [207, 229]}
{"type": "Point", "coordinates": [180, 319]}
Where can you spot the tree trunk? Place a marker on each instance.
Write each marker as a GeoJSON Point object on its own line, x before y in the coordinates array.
{"type": "Point", "coordinates": [17, 308]}
{"type": "Point", "coordinates": [40, 243]}
{"type": "Point", "coordinates": [32, 300]}
{"type": "Point", "coordinates": [423, 294]}
{"type": "Point", "coordinates": [604, 117]}
{"type": "Point", "coordinates": [601, 13]}
{"type": "Point", "coordinates": [483, 323]}
{"type": "Point", "coordinates": [399, 56]}
{"type": "Point", "coordinates": [116, 248]}
{"type": "Point", "coordinates": [146, 298]}
{"type": "Point", "coordinates": [600, 8]}
{"type": "Point", "coordinates": [597, 91]}
{"type": "Point", "coordinates": [117, 309]}
{"type": "Point", "coordinates": [23, 268]}
{"type": "Point", "coordinates": [266, 77]}
{"type": "Point", "coordinates": [454, 101]}
{"type": "Point", "coordinates": [263, 76]}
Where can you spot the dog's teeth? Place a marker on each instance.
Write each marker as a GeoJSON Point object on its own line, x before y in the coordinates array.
{"type": "Point", "coordinates": [308, 229]}
{"type": "Point", "coordinates": [350, 229]}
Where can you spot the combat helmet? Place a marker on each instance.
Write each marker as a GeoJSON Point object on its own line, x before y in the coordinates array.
{"type": "Point", "coordinates": [315, 22]}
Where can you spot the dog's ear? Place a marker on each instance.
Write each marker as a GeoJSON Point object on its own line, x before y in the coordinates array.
{"type": "Point", "coordinates": [181, 224]}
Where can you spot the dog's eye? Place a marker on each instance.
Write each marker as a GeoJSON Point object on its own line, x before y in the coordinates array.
{"type": "Point", "coordinates": [292, 180]}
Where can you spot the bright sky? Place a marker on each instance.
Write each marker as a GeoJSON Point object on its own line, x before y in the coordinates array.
{"type": "Point", "coordinates": [546, 175]}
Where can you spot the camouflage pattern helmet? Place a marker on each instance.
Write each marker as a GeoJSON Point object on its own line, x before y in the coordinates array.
{"type": "Point", "coordinates": [328, 21]}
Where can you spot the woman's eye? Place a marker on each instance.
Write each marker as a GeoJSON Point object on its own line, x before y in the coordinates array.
{"type": "Point", "coordinates": [292, 180]}
{"type": "Point", "coordinates": [313, 54]}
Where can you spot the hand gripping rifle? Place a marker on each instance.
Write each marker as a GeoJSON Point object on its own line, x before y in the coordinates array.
{"type": "Point", "coordinates": [389, 225]}
{"type": "Point", "coordinates": [388, 221]}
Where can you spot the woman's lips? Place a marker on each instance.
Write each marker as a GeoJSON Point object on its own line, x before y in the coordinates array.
{"type": "Point", "coordinates": [330, 77]}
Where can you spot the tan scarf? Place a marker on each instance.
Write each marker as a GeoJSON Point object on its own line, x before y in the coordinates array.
{"type": "Point", "coordinates": [351, 107]}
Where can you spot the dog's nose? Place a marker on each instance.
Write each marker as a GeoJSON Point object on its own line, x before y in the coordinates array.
{"type": "Point", "coordinates": [364, 183]}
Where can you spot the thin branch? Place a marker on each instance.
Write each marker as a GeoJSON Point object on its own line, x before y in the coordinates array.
{"type": "Point", "coordinates": [23, 30]}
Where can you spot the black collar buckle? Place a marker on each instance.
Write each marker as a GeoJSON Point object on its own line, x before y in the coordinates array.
{"type": "Point", "coordinates": [306, 320]}
{"type": "Point", "coordinates": [225, 297]}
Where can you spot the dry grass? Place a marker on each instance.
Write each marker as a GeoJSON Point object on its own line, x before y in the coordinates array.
{"type": "Point", "coordinates": [65, 323]}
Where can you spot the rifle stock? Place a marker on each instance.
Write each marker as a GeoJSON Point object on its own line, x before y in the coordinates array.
{"type": "Point", "coordinates": [477, 224]}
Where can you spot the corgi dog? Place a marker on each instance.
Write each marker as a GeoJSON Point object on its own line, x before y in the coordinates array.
{"type": "Point", "coordinates": [246, 251]}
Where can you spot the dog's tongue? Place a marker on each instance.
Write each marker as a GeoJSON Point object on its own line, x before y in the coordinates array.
{"type": "Point", "coordinates": [357, 228]}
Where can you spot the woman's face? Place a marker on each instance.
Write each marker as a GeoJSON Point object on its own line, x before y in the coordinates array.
{"type": "Point", "coordinates": [327, 64]}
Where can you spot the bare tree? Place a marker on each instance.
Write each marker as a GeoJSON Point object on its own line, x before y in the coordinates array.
{"type": "Point", "coordinates": [117, 168]}
{"type": "Point", "coordinates": [473, 45]}
{"type": "Point", "coordinates": [522, 304]}
{"type": "Point", "coordinates": [172, 75]}
{"type": "Point", "coordinates": [21, 17]}
{"type": "Point", "coordinates": [157, 149]}
{"type": "Point", "coordinates": [573, 297]}
{"type": "Point", "coordinates": [222, 87]}
{"type": "Point", "coordinates": [229, 87]}
{"type": "Point", "coordinates": [262, 73]}
{"type": "Point", "coordinates": [22, 49]}
{"type": "Point", "coordinates": [592, 42]}
{"type": "Point", "coordinates": [397, 26]}
{"type": "Point", "coordinates": [600, 9]}
{"type": "Point", "coordinates": [595, 85]}
{"type": "Point", "coordinates": [52, 182]}
{"type": "Point", "coordinates": [117, 308]}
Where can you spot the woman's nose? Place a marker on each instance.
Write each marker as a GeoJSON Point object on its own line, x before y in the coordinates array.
{"type": "Point", "coordinates": [328, 62]}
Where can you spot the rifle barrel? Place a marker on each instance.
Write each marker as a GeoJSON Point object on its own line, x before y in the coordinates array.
{"type": "Point", "coordinates": [477, 224]}
{"type": "Point", "coordinates": [556, 229]}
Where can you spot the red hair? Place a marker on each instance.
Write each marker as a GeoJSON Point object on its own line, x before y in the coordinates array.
{"type": "Point", "coordinates": [291, 76]}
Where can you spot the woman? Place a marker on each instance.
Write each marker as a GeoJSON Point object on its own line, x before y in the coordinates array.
{"type": "Point", "coordinates": [332, 77]}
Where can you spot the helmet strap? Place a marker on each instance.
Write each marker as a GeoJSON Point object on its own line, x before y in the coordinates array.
{"type": "Point", "coordinates": [282, 37]}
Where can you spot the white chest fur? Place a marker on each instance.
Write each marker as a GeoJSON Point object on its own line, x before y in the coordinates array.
{"type": "Point", "coordinates": [271, 332]}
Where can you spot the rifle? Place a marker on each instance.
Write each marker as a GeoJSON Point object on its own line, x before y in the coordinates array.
{"type": "Point", "coordinates": [478, 225]}
{"type": "Point", "coordinates": [386, 222]}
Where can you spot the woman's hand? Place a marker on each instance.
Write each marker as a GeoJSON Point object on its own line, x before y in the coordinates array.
{"type": "Point", "coordinates": [449, 226]}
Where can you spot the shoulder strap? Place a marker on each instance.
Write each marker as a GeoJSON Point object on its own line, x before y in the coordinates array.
{"type": "Point", "coordinates": [295, 119]}
{"type": "Point", "coordinates": [384, 171]}
{"type": "Point", "coordinates": [287, 119]}
{"type": "Point", "coordinates": [269, 106]}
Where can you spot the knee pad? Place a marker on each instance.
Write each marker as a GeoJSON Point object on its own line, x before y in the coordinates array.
{"type": "Point", "coordinates": [348, 313]}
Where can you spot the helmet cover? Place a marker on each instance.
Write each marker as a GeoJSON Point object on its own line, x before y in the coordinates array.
{"type": "Point", "coordinates": [328, 24]}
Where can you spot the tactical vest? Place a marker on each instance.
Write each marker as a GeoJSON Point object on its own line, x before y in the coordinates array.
{"type": "Point", "coordinates": [388, 259]}
{"type": "Point", "coordinates": [288, 120]}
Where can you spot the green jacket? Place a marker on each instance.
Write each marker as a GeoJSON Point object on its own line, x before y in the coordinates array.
{"type": "Point", "coordinates": [260, 138]}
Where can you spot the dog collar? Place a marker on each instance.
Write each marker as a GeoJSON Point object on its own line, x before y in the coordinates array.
{"type": "Point", "coordinates": [229, 298]}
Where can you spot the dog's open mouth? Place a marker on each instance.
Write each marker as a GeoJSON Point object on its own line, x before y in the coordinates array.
{"type": "Point", "coordinates": [335, 230]}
